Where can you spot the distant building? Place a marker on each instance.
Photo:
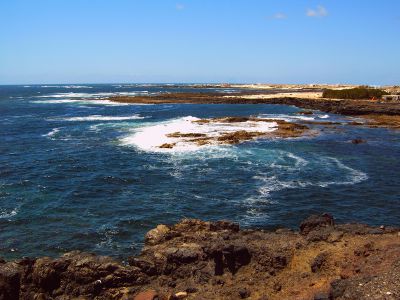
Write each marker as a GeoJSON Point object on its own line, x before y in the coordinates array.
{"type": "Point", "coordinates": [391, 98]}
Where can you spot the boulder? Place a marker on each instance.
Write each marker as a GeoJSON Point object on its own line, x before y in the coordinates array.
{"type": "Point", "coordinates": [10, 274]}
{"type": "Point", "coordinates": [157, 235]}
{"type": "Point", "coordinates": [316, 221]}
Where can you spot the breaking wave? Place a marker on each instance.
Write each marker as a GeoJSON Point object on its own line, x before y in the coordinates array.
{"type": "Point", "coordinates": [151, 137]}
{"type": "Point", "coordinates": [103, 118]}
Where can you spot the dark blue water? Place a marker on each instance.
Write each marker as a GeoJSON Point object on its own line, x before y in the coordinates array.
{"type": "Point", "coordinates": [68, 181]}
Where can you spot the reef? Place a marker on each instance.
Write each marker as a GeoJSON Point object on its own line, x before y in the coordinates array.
{"type": "Point", "coordinates": [377, 113]}
{"type": "Point", "coordinates": [282, 129]}
{"type": "Point", "coordinates": [217, 260]}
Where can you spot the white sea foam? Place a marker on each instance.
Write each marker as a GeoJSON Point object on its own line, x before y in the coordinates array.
{"type": "Point", "coordinates": [4, 214]}
{"type": "Point", "coordinates": [291, 118]}
{"type": "Point", "coordinates": [328, 165]}
{"type": "Point", "coordinates": [82, 101]}
{"type": "Point", "coordinates": [67, 86]}
{"type": "Point", "coordinates": [288, 118]}
{"type": "Point", "coordinates": [268, 182]}
{"type": "Point", "coordinates": [92, 95]}
{"type": "Point", "coordinates": [52, 133]}
{"type": "Point", "coordinates": [103, 118]}
{"type": "Point", "coordinates": [150, 138]}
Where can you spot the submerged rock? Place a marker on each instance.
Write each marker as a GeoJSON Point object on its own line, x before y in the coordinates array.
{"type": "Point", "coordinates": [358, 141]}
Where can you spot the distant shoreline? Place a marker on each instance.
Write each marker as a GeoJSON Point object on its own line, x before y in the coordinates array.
{"type": "Point", "coordinates": [378, 114]}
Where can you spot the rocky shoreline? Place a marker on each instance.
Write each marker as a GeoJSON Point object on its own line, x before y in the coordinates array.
{"type": "Point", "coordinates": [217, 260]}
{"type": "Point", "coordinates": [376, 113]}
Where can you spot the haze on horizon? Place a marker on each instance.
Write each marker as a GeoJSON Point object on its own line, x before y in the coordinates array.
{"type": "Point", "coordinates": [286, 41]}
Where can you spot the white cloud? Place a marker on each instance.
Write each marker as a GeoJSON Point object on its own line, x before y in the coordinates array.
{"type": "Point", "coordinates": [279, 16]}
{"type": "Point", "coordinates": [320, 12]}
{"type": "Point", "coordinates": [180, 6]}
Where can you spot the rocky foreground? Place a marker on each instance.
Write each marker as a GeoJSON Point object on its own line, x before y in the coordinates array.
{"type": "Point", "coordinates": [218, 260]}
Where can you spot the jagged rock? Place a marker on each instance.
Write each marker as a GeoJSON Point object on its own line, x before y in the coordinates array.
{"type": "Point", "coordinates": [318, 262]}
{"type": "Point", "coordinates": [157, 235]}
{"type": "Point", "coordinates": [316, 221]}
{"type": "Point", "coordinates": [224, 225]}
{"type": "Point", "coordinates": [218, 260]}
{"type": "Point", "coordinates": [10, 275]}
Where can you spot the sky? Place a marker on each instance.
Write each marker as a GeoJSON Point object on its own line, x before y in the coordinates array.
{"type": "Point", "coordinates": [238, 41]}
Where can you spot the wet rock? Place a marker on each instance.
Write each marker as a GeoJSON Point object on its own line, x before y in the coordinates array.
{"type": "Point", "coordinates": [167, 146]}
{"type": "Point", "coordinates": [305, 112]}
{"type": "Point", "coordinates": [316, 221]}
{"type": "Point", "coordinates": [238, 136]}
{"type": "Point", "coordinates": [358, 141]}
{"type": "Point", "coordinates": [186, 135]}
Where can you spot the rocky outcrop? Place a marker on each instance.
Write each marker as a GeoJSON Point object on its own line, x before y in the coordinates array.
{"type": "Point", "coordinates": [222, 136]}
{"type": "Point", "coordinates": [217, 260]}
{"type": "Point", "coordinates": [379, 114]}
{"type": "Point", "coordinates": [345, 107]}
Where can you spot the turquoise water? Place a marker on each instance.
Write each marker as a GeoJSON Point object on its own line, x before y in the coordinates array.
{"type": "Point", "coordinates": [72, 176]}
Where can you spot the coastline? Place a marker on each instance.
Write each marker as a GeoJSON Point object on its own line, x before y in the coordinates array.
{"type": "Point", "coordinates": [217, 260]}
{"type": "Point", "coordinates": [377, 114]}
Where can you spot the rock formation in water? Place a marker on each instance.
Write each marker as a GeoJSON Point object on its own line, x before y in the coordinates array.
{"type": "Point", "coordinates": [217, 260]}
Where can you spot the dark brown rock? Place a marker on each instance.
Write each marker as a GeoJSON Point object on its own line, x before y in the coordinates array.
{"type": "Point", "coordinates": [358, 141]}
{"type": "Point", "coordinates": [10, 275]}
{"type": "Point", "coordinates": [218, 260]}
{"type": "Point", "coordinates": [316, 221]}
{"type": "Point", "coordinates": [318, 262]}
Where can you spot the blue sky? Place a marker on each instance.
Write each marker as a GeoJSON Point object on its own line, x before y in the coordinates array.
{"type": "Point", "coordinates": [275, 41]}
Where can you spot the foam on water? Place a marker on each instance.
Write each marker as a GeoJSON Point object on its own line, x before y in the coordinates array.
{"type": "Point", "coordinates": [92, 95]}
{"type": "Point", "coordinates": [67, 86]}
{"type": "Point", "coordinates": [4, 214]}
{"type": "Point", "coordinates": [291, 118]}
{"type": "Point", "coordinates": [293, 165]}
{"type": "Point", "coordinates": [52, 133]}
{"type": "Point", "coordinates": [103, 118]}
{"type": "Point", "coordinates": [150, 138]}
{"type": "Point", "coordinates": [83, 101]}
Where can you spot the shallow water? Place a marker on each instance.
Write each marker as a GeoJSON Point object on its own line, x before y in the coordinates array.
{"type": "Point", "coordinates": [73, 174]}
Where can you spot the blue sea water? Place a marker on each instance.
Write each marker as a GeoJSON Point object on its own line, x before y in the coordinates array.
{"type": "Point", "coordinates": [69, 180]}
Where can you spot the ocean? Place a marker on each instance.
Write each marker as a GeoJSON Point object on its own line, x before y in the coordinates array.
{"type": "Point", "coordinates": [78, 172]}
